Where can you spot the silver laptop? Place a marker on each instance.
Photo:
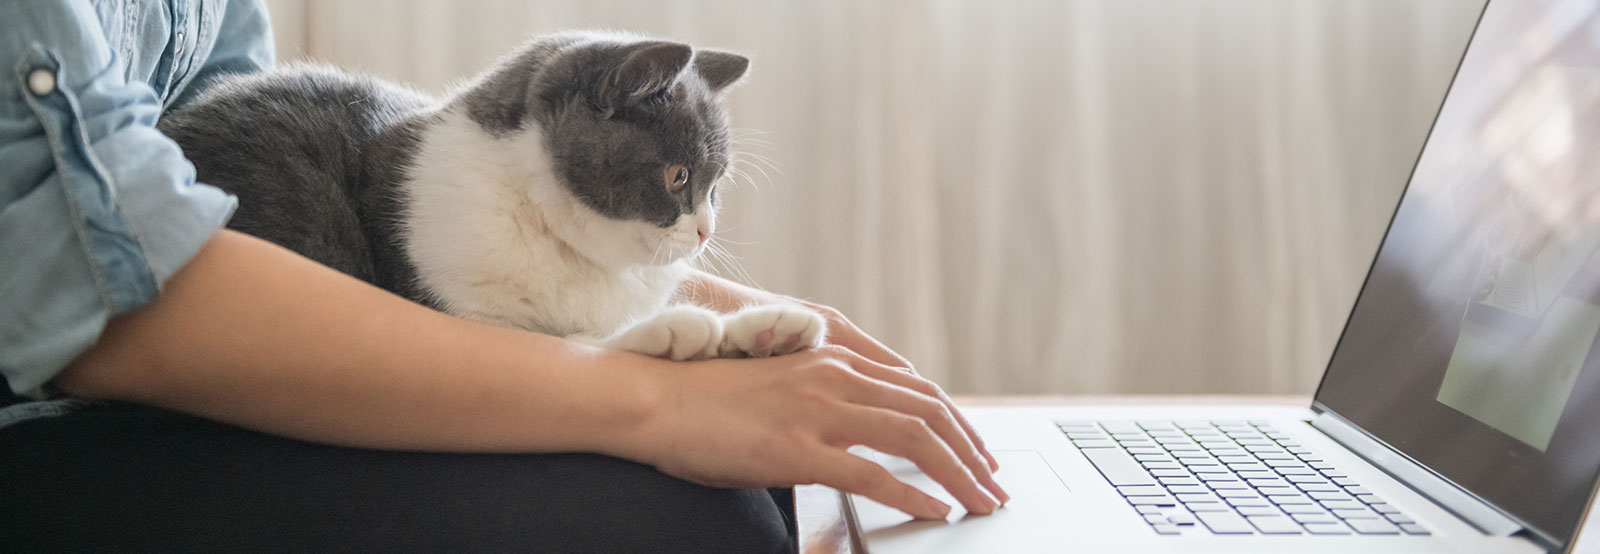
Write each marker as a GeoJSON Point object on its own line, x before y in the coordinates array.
{"type": "Point", "coordinates": [1460, 411]}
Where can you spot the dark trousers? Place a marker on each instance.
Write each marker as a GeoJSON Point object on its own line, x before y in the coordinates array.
{"type": "Point", "coordinates": [120, 478]}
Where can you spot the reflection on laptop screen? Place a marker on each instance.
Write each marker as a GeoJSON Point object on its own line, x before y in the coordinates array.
{"type": "Point", "coordinates": [1472, 348]}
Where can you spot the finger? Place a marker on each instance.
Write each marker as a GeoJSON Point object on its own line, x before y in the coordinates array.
{"type": "Point", "coordinates": [924, 386]}
{"type": "Point", "coordinates": [850, 473]}
{"type": "Point", "coordinates": [844, 333]}
{"type": "Point", "coordinates": [940, 417]}
{"type": "Point", "coordinates": [909, 437]}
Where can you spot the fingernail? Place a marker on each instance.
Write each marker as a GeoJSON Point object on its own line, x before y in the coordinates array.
{"type": "Point", "coordinates": [1001, 494]}
{"type": "Point", "coordinates": [937, 509]}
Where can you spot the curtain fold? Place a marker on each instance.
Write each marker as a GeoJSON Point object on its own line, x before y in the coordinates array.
{"type": "Point", "coordinates": [1029, 196]}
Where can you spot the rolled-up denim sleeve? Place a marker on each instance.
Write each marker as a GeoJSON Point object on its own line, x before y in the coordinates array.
{"type": "Point", "coordinates": [244, 46]}
{"type": "Point", "coordinates": [97, 208]}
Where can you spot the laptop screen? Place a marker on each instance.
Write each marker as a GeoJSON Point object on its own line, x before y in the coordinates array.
{"type": "Point", "coordinates": [1472, 347]}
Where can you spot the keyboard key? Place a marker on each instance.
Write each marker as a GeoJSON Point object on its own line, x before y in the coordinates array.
{"type": "Point", "coordinates": [1384, 508]}
{"type": "Point", "coordinates": [1074, 425]}
{"type": "Point", "coordinates": [1207, 507]}
{"type": "Point", "coordinates": [1258, 511]}
{"type": "Point", "coordinates": [1355, 514]}
{"type": "Point", "coordinates": [1156, 518]}
{"type": "Point", "coordinates": [1181, 519]}
{"type": "Point", "coordinates": [1196, 497]}
{"type": "Point", "coordinates": [1152, 458]}
{"type": "Point", "coordinates": [1225, 523]}
{"type": "Point", "coordinates": [1243, 501]}
{"type": "Point", "coordinates": [1314, 518]}
{"type": "Point", "coordinates": [1343, 505]}
{"type": "Point", "coordinates": [1161, 465]}
{"type": "Point", "coordinates": [1414, 529]}
{"type": "Point", "coordinates": [1162, 501]}
{"type": "Point", "coordinates": [1399, 518]}
{"type": "Point", "coordinates": [1262, 474]}
{"type": "Point", "coordinates": [1344, 481]}
{"type": "Point", "coordinates": [1373, 527]}
{"type": "Point", "coordinates": [1170, 473]}
{"type": "Point", "coordinates": [1369, 499]}
{"type": "Point", "coordinates": [1083, 435]}
{"type": "Point", "coordinates": [1273, 482]}
{"type": "Point", "coordinates": [1169, 481]}
{"type": "Point", "coordinates": [1127, 436]}
{"type": "Point", "coordinates": [1318, 487]}
{"type": "Point", "coordinates": [1166, 529]}
{"type": "Point", "coordinates": [1141, 490]}
{"type": "Point", "coordinates": [1191, 455]}
{"type": "Point", "coordinates": [1294, 499]}
{"type": "Point", "coordinates": [1278, 491]}
{"type": "Point", "coordinates": [1275, 525]}
{"type": "Point", "coordinates": [1215, 477]}
{"type": "Point", "coordinates": [1193, 424]}
{"type": "Point", "coordinates": [1357, 490]}
{"type": "Point", "coordinates": [1302, 509]}
{"type": "Point", "coordinates": [1136, 450]}
{"type": "Point", "coordinates": [1117, 467]}
{"type": "Point", "coordinates": [1233, 484]}
{"type": "Point", "coordinates": [1207, 468]}
{"type": "Point", "coordinates": [1278, 456]}
{"type": "Point", "coordinates": [1327, 529]}
{"type": "Point", "coordinates": [1147, 510]}
{"type": "Point", "coordinates": [1093, 443]}
{"type": "Point", "coordinates": [1279, 465]}
{"type": "Point", "coordinates": [1295, 470]}
{"type": "Point", "coordinates": [1188, 489]}
{"type": "Point", "coordinates": [1120, 426]}
{"type": "Point", "coordinates": [1235, 459]}
{"type": "Point", "coordinates": [1151, 425]}
{"type": "Point", "coordinates": [1329, 495]}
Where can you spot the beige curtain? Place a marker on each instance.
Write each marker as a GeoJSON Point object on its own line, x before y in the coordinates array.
{"type": "Point", "coordinates": [1030, 196]}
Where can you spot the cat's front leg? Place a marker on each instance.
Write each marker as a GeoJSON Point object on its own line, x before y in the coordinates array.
{"type": "Point", "coordinates": [678, 333]}
{"type": "Point", "coordinates": [772, 330]}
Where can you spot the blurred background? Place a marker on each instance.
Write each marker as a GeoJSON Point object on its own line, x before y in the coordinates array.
{"type": "Point", "coordinates": [1027, 196]}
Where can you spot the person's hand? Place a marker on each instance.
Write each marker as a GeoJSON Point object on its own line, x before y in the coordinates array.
{"type": "Point", "coordinates": [788, 420]}
{"type": "Point", "coordinates": [842, 332]}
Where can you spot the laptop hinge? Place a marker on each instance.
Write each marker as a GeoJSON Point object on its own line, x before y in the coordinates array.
{"type": "Point", "coordinates": [1442, 492]}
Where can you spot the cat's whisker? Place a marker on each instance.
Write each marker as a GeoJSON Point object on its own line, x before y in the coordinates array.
{"type": "Point", "coordinates": [731, 262]}
{"type": "Point", "coordinates": [758, 169]}
{"type": "Point", "coordinates": [752, 156]}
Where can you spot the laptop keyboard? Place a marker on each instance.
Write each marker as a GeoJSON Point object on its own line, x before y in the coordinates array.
{"type": "Point", "coordinates": [1231, 478]}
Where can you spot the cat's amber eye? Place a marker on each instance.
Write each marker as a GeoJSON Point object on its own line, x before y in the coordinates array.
{"type": "Point", "coordinates": [676, 177]}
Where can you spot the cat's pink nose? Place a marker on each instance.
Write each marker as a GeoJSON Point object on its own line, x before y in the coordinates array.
{"type": "Point", "coordinates": [705, 232]}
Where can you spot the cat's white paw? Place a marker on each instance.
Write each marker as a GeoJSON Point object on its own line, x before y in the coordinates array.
{"type": "Point", "coordinates": [679, 333]}
{"type": "Point", "coordinates": [772, 330]}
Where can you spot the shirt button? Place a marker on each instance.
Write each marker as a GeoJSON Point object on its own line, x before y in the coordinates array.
{"type": "Point", "coordinates": [42, 82]}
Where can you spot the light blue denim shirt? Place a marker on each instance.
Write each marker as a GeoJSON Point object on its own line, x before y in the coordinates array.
{"type": "Point", "coordinates": [97, 208]}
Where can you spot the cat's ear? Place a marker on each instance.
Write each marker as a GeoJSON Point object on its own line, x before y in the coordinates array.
{"type": "Point", "coordinates": [649, 68]}
{"type": "Point", "coordinates": [720, 69]}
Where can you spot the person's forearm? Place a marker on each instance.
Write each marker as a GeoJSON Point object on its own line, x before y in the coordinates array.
{"type": "Point", "coordinates": [252, 334]}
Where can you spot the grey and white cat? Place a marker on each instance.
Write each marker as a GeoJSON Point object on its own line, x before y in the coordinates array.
{"type": "Point", "coordinates": [563, 191]}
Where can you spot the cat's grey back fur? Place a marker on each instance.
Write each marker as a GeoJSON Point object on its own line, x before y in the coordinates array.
{"type": "Point", "coordinates": [315, 156]}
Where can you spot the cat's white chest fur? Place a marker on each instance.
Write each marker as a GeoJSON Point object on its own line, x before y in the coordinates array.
{"type": "Point", "coordinates": [484, 225]}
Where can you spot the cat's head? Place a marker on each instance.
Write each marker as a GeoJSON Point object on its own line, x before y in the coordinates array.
{"type": "Point", "coordinates": [633, 131]}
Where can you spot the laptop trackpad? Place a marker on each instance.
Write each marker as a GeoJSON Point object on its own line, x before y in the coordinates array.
{"type": "Point", "coordinates": [1035, 489]}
